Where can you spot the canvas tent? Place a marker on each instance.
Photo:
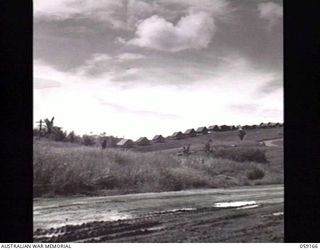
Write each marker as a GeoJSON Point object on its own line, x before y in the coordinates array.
{"type": "Point", "coordinates": [158, 139]}
{"type": "Point", "coordinates": [143, 141]}
{"type": "Point", "coordinates": [225, 128]}
{"type": "Point", "coordinates": [202, 130]}
{"type": "Point", "coordinates": [125, 143]}
{"type": "Point", "coordinates": [177, 135]}
{"type": "Point", "coordinates": [190, 132]}
{"type": "Point", "coordinates": [214, 128]}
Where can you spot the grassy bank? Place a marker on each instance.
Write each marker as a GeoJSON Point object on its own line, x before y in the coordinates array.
{"type": "Point", "coordinates": [68, 169]}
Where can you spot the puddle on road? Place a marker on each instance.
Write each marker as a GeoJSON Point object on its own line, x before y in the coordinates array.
{"type": "Point", "coordinates": [75, 218]}
{"type": "Point", "coordinates": [156, 228]}
{"type": "Point", "coordinates": [273, 214]}
{"type": "Point", "coordinates": [179, 210]}
{"type": "Point", "coordinates": [277, 213]}
{"type": "Point", "coordinates": [247, 207]}
{"type": "Point", "coordinates": [236, 204]}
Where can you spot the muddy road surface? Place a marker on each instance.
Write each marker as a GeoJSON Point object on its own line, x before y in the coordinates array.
{"type": "Point", "coordinates": [240, 214]}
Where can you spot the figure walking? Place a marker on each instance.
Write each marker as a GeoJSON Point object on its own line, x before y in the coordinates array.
{"type": "Point", "coordinates": [241, 133]}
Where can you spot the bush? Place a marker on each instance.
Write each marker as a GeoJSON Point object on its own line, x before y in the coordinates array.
{"type": "Point", "coordinates": [36, 132]}
{"type": "Point", "coordinates": [58, 135]}
{"type": "Point", "coordinates": [255, 174]}
{"type": "Point", "coordinates": [241, 154]}
{"type": "Point", "coordinates": [71, 137]}
{"type": "Point", "coordinates": [88, 140]}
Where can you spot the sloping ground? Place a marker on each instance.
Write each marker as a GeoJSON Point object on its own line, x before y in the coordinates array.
{"type": "Point", "coordinates": [92, 171]}
{"type": "Point", "coordinates": [69, 169]}
{"type": "Point", "coordinates": [253, 137]}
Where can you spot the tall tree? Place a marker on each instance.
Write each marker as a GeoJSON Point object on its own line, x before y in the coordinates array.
{"type": "Point", "coordinates": [49, 124]}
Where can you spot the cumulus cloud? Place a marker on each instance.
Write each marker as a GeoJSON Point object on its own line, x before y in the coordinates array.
{"type": "Point", "coordinates": [215, 7]}
{"type": "Point", "coordinates": [118, 14]}
{"type": "Point", "coordinates": [271, 12]}
{"type": "Point", "coordinates": [97, 64]}
{"type": "Point", "coordinates": [129, 56]}
{"type": "Point", "coordinates": [220, 70]}
{"type": "Point", "coordinates": [100, 64]}
{"type": "Point", "coordinates": [102, 10]}
{"type": "Point", "coordinates": [193, 31]}
{"type": "Point", "coordinates": [45, 75]}
{"type": "Point", "coordinates": [125, 14]}
{"type": "Point", "coordinates": [98, 57]}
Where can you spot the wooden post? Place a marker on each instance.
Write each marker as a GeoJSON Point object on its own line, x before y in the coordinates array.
{"type": "Point", "coordinates": [40, 127]}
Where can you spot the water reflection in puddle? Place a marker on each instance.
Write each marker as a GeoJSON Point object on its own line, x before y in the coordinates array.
{"type": "Point", "coordinates": [179, 210]}
{"type": "Point", "coordinates": [235, 204]}
{"type": "Point", "coordinates": [277, 214]}
{"type": "Point", "coordinates": [273, 214]}
{"type": "Point", "coordinates": [247, 207]}
{"type": "Point", "coordinates": [76, 218]}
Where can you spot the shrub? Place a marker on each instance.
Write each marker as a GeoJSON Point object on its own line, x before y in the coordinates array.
{"type": "Point", "coordinates": [72, 137]}
{"type": "Point", "coordinates": [88, 140]}
{"type": "Point", "coordinates": [241, 154]}
{"type": "Point", "coordinates": [36, 132]}
{"type": "Point", "coordinates": [58, 135]}
{"type": "Point", "coordinates": [255, 174]}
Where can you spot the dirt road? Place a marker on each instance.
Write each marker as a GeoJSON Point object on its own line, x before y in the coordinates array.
{"type": "Point", "coordinates": [241, 214]}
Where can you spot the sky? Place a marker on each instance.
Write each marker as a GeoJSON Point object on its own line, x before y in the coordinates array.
{"type": "Point", "coordinates": [135, 68]}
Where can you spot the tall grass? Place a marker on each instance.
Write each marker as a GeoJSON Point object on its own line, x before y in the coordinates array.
{"type": "Point", "coordinates": [70, 170]}
{"type": "Point", "coordinates": [241, 154]}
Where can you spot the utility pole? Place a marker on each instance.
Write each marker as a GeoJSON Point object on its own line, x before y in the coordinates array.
{"type": "Point", "coordinates": [40, 127]}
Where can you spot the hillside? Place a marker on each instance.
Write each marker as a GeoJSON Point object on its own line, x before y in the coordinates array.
{"type": "Point", "coordinates": [69, 169]}
{"type": "Point", "coordinates": [253, 137]}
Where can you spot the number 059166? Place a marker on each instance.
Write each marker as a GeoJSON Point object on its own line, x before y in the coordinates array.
{"type": "Point", "coordinates": [308, 245]}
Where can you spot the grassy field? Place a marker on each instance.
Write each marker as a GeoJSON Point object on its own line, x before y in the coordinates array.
{"type": "Point", "coordinates": [218, 138]}
{"type": "Point", "coordinates": [71, 169]}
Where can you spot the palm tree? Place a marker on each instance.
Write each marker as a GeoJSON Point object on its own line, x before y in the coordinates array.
{"type": "Point", "coordinates": [49, 125]}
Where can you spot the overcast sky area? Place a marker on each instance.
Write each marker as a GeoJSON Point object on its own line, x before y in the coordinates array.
{"type": "Point", "coordinates": [138, 68]}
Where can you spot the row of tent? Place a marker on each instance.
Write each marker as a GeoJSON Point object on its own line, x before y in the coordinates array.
{"type": "Point", "coordinates": [144, 141]}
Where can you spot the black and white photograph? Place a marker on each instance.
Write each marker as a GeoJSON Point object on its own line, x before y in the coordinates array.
{"type": "Point", "coordinates": [158, 121]}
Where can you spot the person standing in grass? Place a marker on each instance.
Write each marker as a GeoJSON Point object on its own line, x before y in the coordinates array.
{"type": "Point", "coordinates": [241, 133]}
{"type": "Point", "coordinates": [208, 146]}
{"type": "Point", "coordinates": [104, 144]}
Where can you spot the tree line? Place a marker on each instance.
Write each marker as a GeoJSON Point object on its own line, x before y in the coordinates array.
{"type": "Point", "coordinates": [46, 129]}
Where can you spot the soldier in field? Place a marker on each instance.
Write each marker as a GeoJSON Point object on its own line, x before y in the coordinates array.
{"type": "Point", "coordinates": [104, 144]}
{"type": "Point", "coordinates": [186, 150]}
{"type": "Point", "coordinates": [208, 146]}
{"type": "Point", "coordinates": [241, 133]}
